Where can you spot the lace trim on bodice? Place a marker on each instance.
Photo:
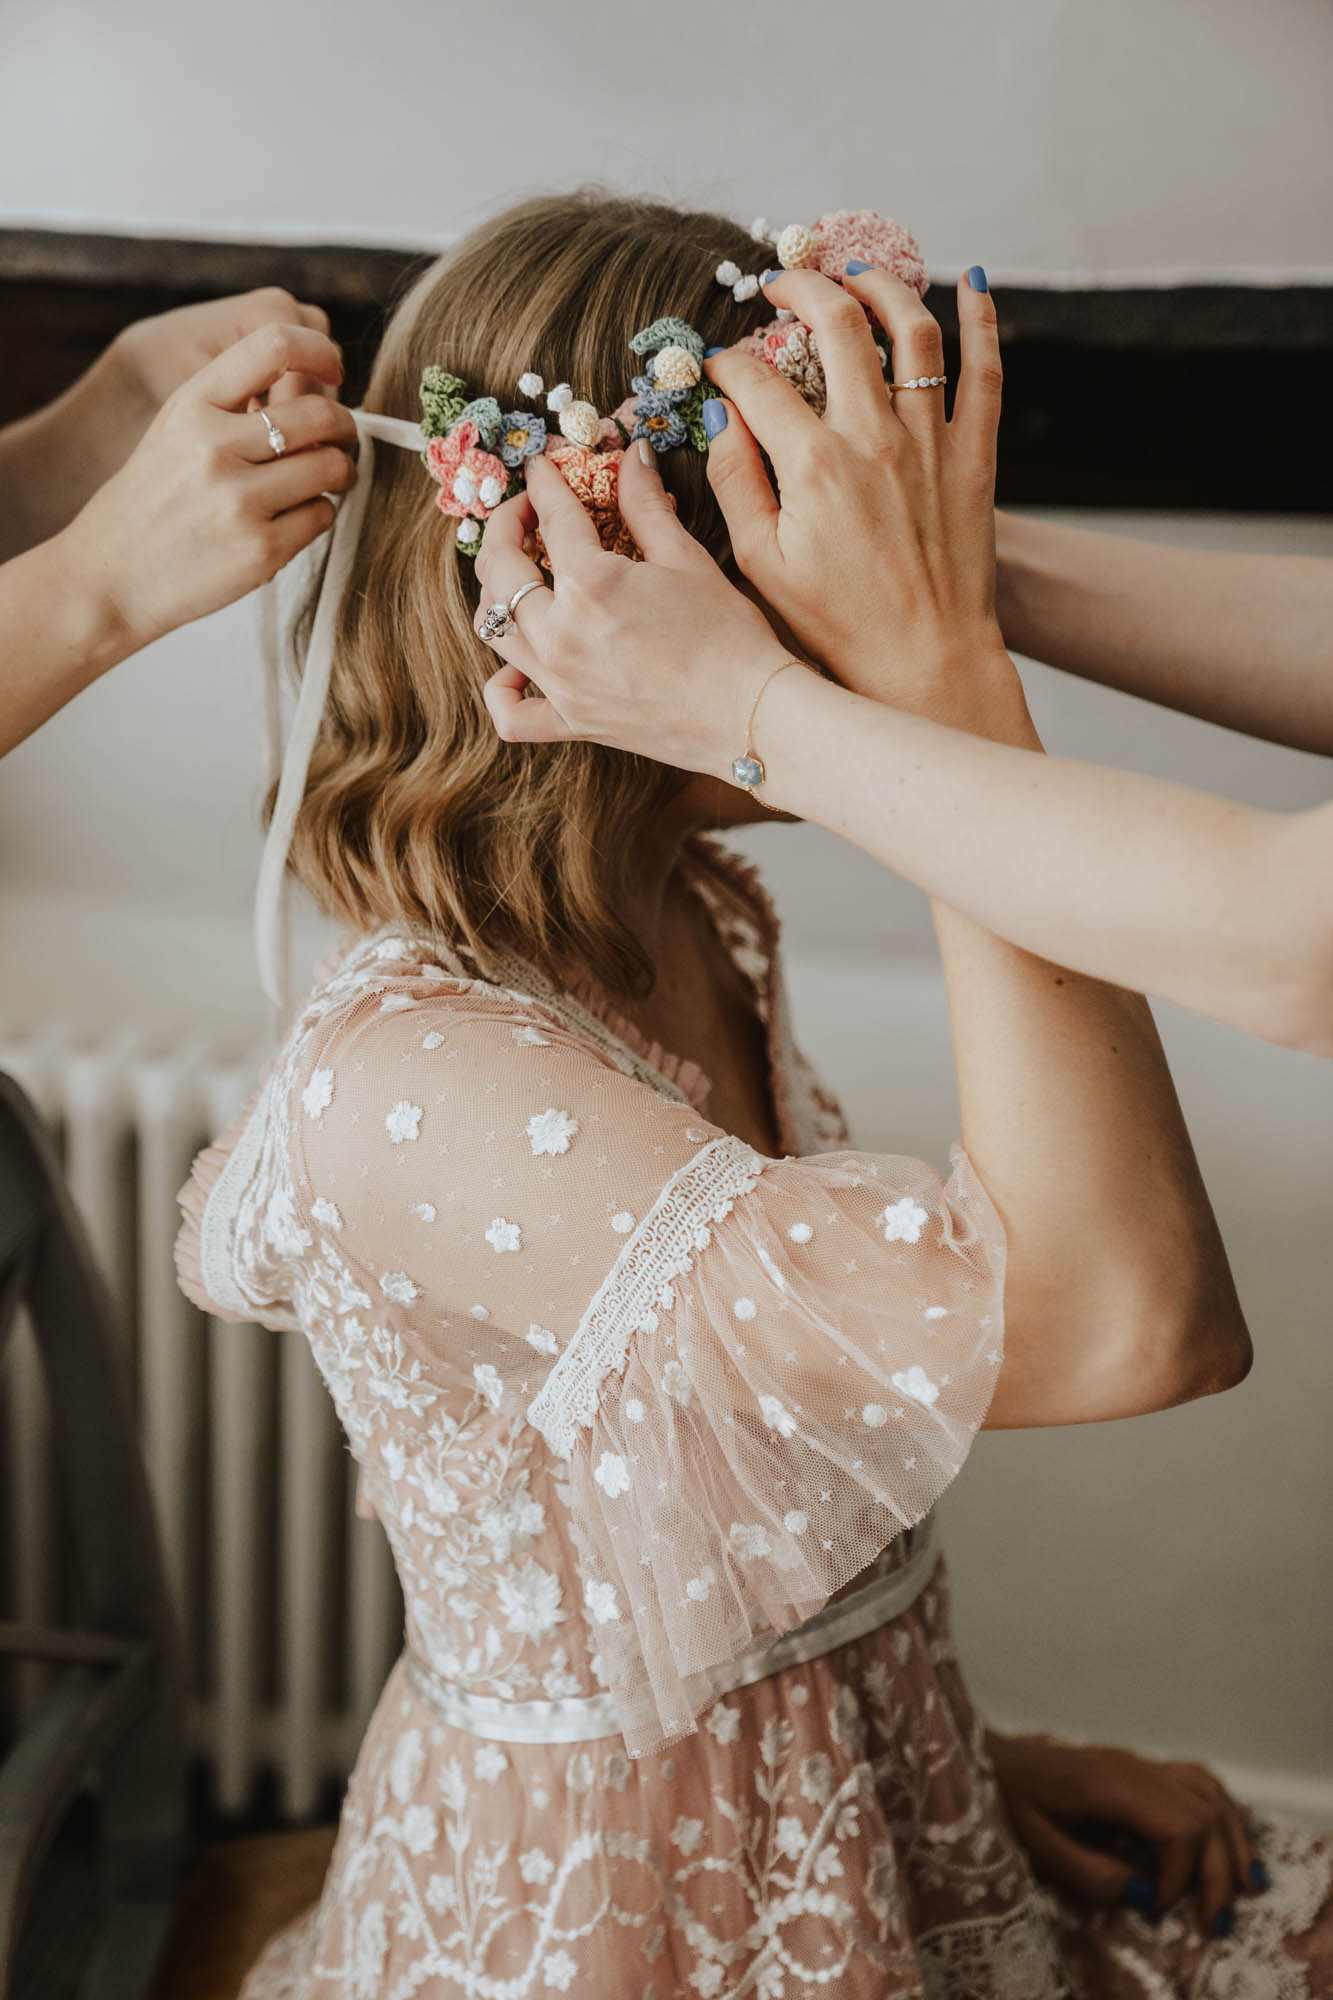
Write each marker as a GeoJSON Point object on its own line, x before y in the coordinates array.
{"type": "Point", "coordinates": [679, 1224]}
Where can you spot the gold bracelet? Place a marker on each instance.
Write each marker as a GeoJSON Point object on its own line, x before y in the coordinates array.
{"type": "Point", "coordinates": [748, 769]}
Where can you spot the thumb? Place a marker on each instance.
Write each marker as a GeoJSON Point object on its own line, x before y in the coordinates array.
{"type": "Point", "coordinates": [649, 511]}
{"type": "Point", "coordinates": [1059, 1858]}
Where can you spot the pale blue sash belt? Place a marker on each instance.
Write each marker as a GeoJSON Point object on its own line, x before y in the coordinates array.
{"type": "Point", "coordinates": [583, 1718]}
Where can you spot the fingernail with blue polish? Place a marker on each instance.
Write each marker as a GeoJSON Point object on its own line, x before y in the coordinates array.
{"type": "Point", "coordinates": [1259, 1875]}
{"type": "Point", "coordinates": [715, 417]}
{"type": "Point", "coordinates": [769, 276]}
{"type": "Point", "coordinates": [976, 277]}
{"type": "Point", "coordinates": [857, 265]}
{"type": "Point", "coordinates": [1138, 1893]}
{"type": "Point", "coordinates": [709, 352]}
{"type": "Point", "coordinates": [1223, 1922]}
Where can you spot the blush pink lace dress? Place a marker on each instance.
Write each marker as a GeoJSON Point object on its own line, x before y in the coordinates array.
{"type": "Point", "coordinates": [654, 1426]}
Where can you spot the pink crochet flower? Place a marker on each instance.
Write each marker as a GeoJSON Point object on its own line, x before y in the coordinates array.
{"type": "Point", "coordinates": [859, 232]}
{"type": "Point", "coordinates": [472, 481]}
{"type": "Point", "coordinates": [594, 478]}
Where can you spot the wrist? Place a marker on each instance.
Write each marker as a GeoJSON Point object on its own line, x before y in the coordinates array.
{"type": "Point", "coordinates": [92, 630]}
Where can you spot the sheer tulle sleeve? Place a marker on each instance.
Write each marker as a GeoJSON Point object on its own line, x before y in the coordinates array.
{"type": "Point", "coordinates": [785, 1368]}
{"type": "Point", "coordinates": [754, 1373]}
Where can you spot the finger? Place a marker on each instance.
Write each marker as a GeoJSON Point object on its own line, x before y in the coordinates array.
{"type": "Point", "coordinates": [648, 512]}
{"type": "Point", "coordinates": [1058, 1857]}
{"type": "Point", "coordinates": [976, 404]}
{"type": "Point", "coordinates": [853, 368]}
{"type": "Point", "coordinates": [777, 415]}
{"type": "Point", "coordinates": [290, 482]}
{"type": "Point", "coordinates": [253, 364]}
{"type": "Point", "coordinates": [1178, 1862]}
{"type": "Point", "coordinates": [295, 530]}
{"type": "Point", "coordinates": [916, 344]}
{"type": "Point", "coordinates": [519, 720]}
{"type": "Point", "coordinates": [1216, 1883]}
{"type": "Point", "coordinates": [504, 566]}
{"type": "Point", "coordinates": [513, 646]}
{"type": "Point", "coordinates": [306, 421]}
{"type": "Point", "coordinates": [738, 477]}
{"type": "Point", "coordinates": [566, 527]}
{"type": "Point", "coordinates": [1231, 1824]}
{"type": "Point", "coordinates": [269, 304]}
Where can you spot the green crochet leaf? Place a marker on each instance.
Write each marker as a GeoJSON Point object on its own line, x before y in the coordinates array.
{"type": "Point", "coordinates": [667, 333]}
{"type": "Point", "coordinates": [691, 413]}
{"type": "Point", "coordinates": [443, 399]}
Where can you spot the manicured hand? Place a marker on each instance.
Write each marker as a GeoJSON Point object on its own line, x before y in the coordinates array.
{"type": "Point", "coordinates": [202, 511]}
{"type": "Point", "coordinates": [878, 552]}
{"type": "Point", "coordinates": [663, 656]}
{"type": "Point", "coordinates": [1182, 1813]}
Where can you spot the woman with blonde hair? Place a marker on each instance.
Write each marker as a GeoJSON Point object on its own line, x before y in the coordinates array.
{"type": "Point", "coordinates": [652, 1379]}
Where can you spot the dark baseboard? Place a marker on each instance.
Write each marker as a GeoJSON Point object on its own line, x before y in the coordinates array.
{"type": "Point", "coordinates": [1203, 396]}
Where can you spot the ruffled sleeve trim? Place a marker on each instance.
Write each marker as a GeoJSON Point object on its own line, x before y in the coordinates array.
{"type": "Point", "coordinates": [198, 1273]}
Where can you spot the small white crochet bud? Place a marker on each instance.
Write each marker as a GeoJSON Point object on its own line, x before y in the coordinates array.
{"type": "Point", "coordinates": [469, 533]}
{"type": "Point", "coordinates": [530, 384]}
{"type": "Point", "coordinates": [745, 288]}
{"type": "Point", "coordinates": [760, 230]}
{"type": "Point", "coordinates": [784, 315]}
{"type": "Point", "coordinates": [580, 423]}
{"type": "Point", "coordinates": [491, 491]}
{"type": "Point", "coordinates": [795, 247]}
{"type": "Point", "coordinates": [465, 489]}
{"type": "Point", "coordinates": [727, 272]}
{"type": "Point", "coordinates": [675, 368]}
{"type": "Point", "coordinates": [560, 397]}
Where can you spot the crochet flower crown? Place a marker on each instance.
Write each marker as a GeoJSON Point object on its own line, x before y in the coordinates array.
{"type": "Point", "coordinates": [476, 450]}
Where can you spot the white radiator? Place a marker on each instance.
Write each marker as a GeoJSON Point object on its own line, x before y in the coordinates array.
{"type": "Point", "coordinates": [287, 1600]}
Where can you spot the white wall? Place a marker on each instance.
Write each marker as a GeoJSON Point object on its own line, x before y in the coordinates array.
{"type": "Point", "coordinates": [1055, 139]}
{"type": "Point", "coordinates": [1161, 1580]}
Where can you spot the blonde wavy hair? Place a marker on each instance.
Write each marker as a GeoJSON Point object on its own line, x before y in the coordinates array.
{"type": "Point", "coordinates": [415, 810]}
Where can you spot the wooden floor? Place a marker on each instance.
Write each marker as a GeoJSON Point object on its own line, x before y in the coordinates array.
{"type": "Point", "coordinates": [234, 1899]}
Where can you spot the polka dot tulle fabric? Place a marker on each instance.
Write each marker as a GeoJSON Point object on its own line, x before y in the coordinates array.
{"type": "Point", "coordinates": [629, 1400]}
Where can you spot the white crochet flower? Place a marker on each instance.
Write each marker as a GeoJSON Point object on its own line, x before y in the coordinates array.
{"type": "Point", "coordinates": [560, 397]}
{"type": "Point", "coordinates": [796, 247]}
{"type": "Point", "coordinates": [761, 230]}
{"type": "Point", "coordinates": [504, 1236]}
{"type": "Point", "coordinates": [403, 1121]}
{"type": "Point", "coordinates": [490, 492]}
{"type": "Point", "coordinates": [915, 1382]}
{"type": "Point", "coordinates": [530, 384]}
{"type": "Point", "coordinates": [551, 1131]}
{"type": "Point", "coordinates": [468, 533]}
{"type": "Point", "coordinates": [745, 288]}
{"type": "Point", "coordinates": [318, 1093]}
{"type": "Point", "coordinates": [580, 423]}
{"type": "Point", "coordinates": [612, 1474]}
{"type": "Point", "coordinates": [903, 1221]}
{"type": "Point", "coordinates": [464, 489]}
{"type": "Point", "coordinates": [727, 273]}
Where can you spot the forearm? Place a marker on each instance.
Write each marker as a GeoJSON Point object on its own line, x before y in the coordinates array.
{"type": "Point", "coordinates": [1217, 907]}
{"type": "Point", "coordinates": [1240, 640]}
{"type": "Point", "coordinates": [54, 460]}
{"type": "Point", "coordinates": [58, 632]}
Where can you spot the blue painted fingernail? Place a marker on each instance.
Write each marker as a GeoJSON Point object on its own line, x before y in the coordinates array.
{"type": "Point", "coordinates": [976, 277]}
{"type": "Point", "coordinates": [1259, 1875]}
{"type": "Point", "coordinates": [769, 276]}
{"type": "Point", "coordinates": [715, 417]}
{"type": "Point", "coordinates": [1223, 1922]}
{"type": "Point", "coordinates": [709, 352]}
{"type": "Point", "coordinates": [1138, 1893]}
{"type": "Point", "coordinates": [857, 265]}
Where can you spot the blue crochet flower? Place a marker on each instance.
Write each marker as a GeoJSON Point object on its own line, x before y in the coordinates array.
{"type": "Point", "coordinates": [522, 435]}
{"type": "Point", "coordinates": [658, 418]}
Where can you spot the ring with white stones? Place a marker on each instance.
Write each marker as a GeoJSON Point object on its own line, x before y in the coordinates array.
{"type": "Point", "coordinates": [496, 622]}
{"type": "Point", "coordinates": [275, 436]}
{"type": "Point", "coordinates": [517, 598]}
{"type": "Point", "coordinates": [922, 382]}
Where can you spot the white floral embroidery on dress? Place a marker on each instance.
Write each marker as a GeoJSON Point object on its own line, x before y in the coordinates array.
{"type": "Point", "coordinates": [800, 1232]}
{"type": "Point", "coordinates": [936, 1312]}
{"type": "Point", "coordinates": [551, 1131]}
{"type": "Point", "coordinates": [480, 1312]}
{"type": "Point", "coordinates": [903, 1221]}
{"type": "Point", "coordinates": [403, 1121]}
{"type": "Point", "coordinates": [875, 1415]}
{"type": "Point", "coordinates": [698, 1587]}
{"type": "Point", "coordinates": [425, 1211]}
{"type": "Point", "coordinates": [531, 1039]}
{"type": "Point", "coordinates": [622, 1222]}
{"type": "Point", "coordinates": [915, 1382]}
{"type": "Point", "coordinates": [612, 1474]}
{"type": "Point", "coordinates": [777, 1416]}
{"type": "Point", "coordinates": [396, 1003]}
{"type": "Point", "coordinates": [318, 1093]}
{"type": "Point", "coordinates": [745, 1308]}
{"type": "Point", "coordinates": [434, 1040]}
{"type": "Point", "coordinates": [542, 1339]}
{"type": "Point", "coordinates": [504, 1236]}
{"type": "Point", "coordinates": [795, 1522]}
{"type": "Point", "coordinates": [600, 1599]}
{"type": "Point", "coordinates": [748, 1541]}
{"type": "Point", "coordinates": [488, 1383]}
{"type": "Point", "coordinates": [326, 1213]}
{"type": "Point", "coordinates": [396, 1285]}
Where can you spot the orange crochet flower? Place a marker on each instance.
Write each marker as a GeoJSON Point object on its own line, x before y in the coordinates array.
{"type": "Point", "coordinates": [593, 477]}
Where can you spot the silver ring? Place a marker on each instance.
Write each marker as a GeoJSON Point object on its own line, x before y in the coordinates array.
{"type": "Point", "coordinates": [922, 382]}
{"type": "Point", "coordinates": [518, 596]}
{"type": "Point", "coordinates": [275, 436]}
{"type": "Point", "coordinates": [496, 622]}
